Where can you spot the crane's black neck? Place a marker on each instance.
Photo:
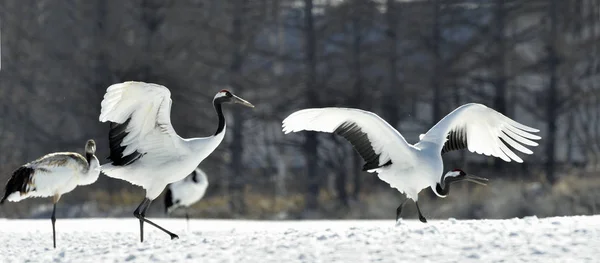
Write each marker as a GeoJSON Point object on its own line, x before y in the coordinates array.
{"type": "Point", "coordinates": [219, 110]}
{"type": "Point", "coordinates": [443, 188]}
{"type": "Point", "coordinates": [443, 191]}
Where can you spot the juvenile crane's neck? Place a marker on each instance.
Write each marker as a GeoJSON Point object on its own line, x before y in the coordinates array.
{"type": "Point", "coordinates": [88, 157]}
{"type": "Point", "coordinates": [92, 172]}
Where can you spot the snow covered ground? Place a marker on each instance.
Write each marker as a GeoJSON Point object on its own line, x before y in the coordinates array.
{"type": "Point", "coordinates": [558, 239]}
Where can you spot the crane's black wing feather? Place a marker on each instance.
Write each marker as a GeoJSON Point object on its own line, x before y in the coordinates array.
{"type": "Point", "coordinates": [457, 140]}
{"type": "Point", "coordinates": [115, 137]}
{"type": "Point", "coordinates": [361, 143]}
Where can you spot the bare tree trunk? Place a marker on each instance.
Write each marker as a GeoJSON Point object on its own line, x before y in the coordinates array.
{"type": "Point", "coordinates": [236, 181]}
{"type": "Point", "coordinates": [102, 74]}
{"type": "Point", "coordinates": [500, 76]}
{"type": "Point", "coordinates": [551, 107]}
{"type": "Point", "coordinates": [390, 99]}
{"type": "Point", "coordinates": [437, 70]}
{"type": "Point", "coordinates": [356, 98]}
{"type": "Point", "coordinates": [437, 61]}
{"type": "Point", "coordinates": [311, 142]}
{"type": "Point", "coordinates": [152, 20]}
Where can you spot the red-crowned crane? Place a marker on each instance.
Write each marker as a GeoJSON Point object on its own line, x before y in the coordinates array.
{"type": "Point", "coordinates": [186, 192]}
{"type": "Point", "coordinates": [411, 168]}
{"type": "Point", "coordinates": [145, 150]}
{"type": "Point", "coordinates": [53, 175]}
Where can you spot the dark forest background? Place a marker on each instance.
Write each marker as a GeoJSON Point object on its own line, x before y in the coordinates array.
{"type": "Point", "coordinates": [411, 62]}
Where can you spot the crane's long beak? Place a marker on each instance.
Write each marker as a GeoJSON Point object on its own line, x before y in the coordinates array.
{"type": "Point", "coordinates": [476, 179]}
{"type": "Point", "coordinates": [239, 100]}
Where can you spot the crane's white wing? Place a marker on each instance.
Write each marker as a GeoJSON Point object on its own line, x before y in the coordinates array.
{"type": "Point", "coordinates": [481, 130]}
{"type": "Point", "coordinates": [377, 142]}
{"type": "Point", "coordinates": [140, 122]}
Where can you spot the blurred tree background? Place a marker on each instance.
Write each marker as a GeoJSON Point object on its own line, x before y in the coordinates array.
{"type": "Point", "coordinates": [411, 62]}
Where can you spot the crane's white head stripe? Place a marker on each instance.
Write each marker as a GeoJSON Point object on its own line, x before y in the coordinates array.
{"type": "Point", "coordinates": [222, 93]}
{"type": "Point", "coordinates": [452, 174]}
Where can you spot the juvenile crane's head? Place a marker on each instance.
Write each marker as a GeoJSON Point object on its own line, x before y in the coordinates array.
{"type": "Point", "coordinates": [90, 147]}
{"type": "Point", "coordinates": [225, 96]}
{"type": "Point", "coordinates": [443, 187]}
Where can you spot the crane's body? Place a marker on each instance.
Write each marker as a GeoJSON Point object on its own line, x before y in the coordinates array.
{"type": "Point", "coordinates": [172, 169]}
{"type": "Point", "coordinates": [145, 150]}
{"type": "Point", "coordinates": [411, 168]}
{"type": "Point", "coordinates": [411, 179]}
{"type": "Point", "coordinates": [52, 176]}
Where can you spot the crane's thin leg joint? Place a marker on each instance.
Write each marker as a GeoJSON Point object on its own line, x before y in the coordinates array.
{"type": "Point", "coordinates": [141, 215]}
{"type": "Point", "coordinates": [55, 199]}
{"type": "Point", "coordinates": [53, 219]}
{"type": "Point", "coordinates": [421, 217]}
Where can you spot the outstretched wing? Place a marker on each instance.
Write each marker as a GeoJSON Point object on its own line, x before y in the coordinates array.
{"type": "Point", "coordinates": [481, 130]}
{"type": "Point", "coordinates": [140, 123]}
{"type": "Point", "coordinates": [377, 142]}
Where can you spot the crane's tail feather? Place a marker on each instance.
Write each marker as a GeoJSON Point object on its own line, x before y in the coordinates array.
{"type": "Point", "coordinates": [19, 184]}
{"type": "Point", "coordinates": [119, 172]}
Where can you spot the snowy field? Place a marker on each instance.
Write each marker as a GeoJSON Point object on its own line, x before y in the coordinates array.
{"type": "Point", "coordinates": [558, 239]}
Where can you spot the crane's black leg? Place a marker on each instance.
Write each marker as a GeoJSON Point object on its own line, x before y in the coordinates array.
{"type": "Point", "coordinates": [141, 215]}
{"type": "Point", "coordinates": [399, 209]}
{"type": "Point", "coordinates": [138, 215]}
{"type": "Point", "coordinates": [53, 219]}
{"type": "Point", "coordinates": [421, 217]}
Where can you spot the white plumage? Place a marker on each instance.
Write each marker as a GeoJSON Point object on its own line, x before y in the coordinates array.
{"type": "Point", "coordinates": [145, 150]}
{"type": "Point", "coordinates": [162, 156]}
{"type": "Point", "coordinates": [52, 176]}
{"type": "Point", "coordinates": [186, 192]}
{"type": "Point", "coordinates": [411, 168]}
{"type": "Point", "coordinates": [56, 174]}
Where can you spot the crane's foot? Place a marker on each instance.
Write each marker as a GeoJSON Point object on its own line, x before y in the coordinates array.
{"type": "Point", "coordinates": [398, 222]}
{"type": "Point", "coordinates": [421, 217]}
{"type": "Point", "coordinates": [399, 210]}
{"type": "Point", "coordinates": [173, 236]}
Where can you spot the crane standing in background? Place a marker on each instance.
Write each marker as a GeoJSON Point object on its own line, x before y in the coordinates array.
{"type": "Point", "coordinates": [186, 192]}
